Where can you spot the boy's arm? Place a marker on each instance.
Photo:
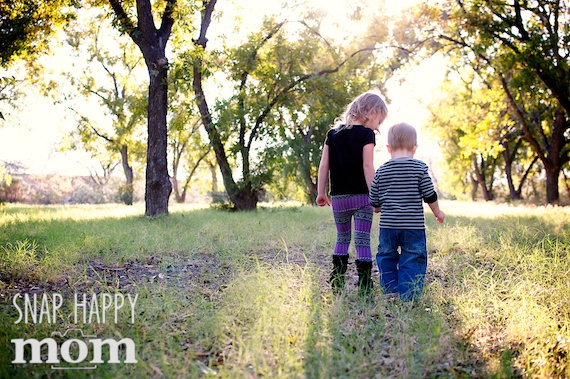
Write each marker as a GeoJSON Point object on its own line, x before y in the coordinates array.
{"type": "Point", "coordinates": [375, 193]}
{"type": "Point", "coordinates": [370, 173]}
{"type": "Point", "coordinates": [438, 213]}
{"type": "Point", "coordinates": [426, 187]}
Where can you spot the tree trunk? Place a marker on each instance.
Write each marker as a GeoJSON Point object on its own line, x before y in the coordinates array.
{"type": "Point", "coordinates": [152, 43]}
{"type": "Point", "coordinates": [243, 197]}
{"type": "Point", "coordinates": [482, 180]}
{"type": "Point", "coordinates": [508, 157]}
{"type": "Point", "coordinates": [174, 178]}
{"type": "Point", "coordinates": [552, 193]}
{"type": "Point", "coordinates": [158, 186]}
{"type": "Point", "coordinates": [214, 173]}
{"type": "Point", "coordinates": [474, 187]}
{"type": "Point", "coordinates": [311, 189]}
{"type": "Point", "coordinates": [311, 192]}
{"type": "Point", "coordinates": [180, 198]}
{"type": "Point", "coordinates": [127, 194]}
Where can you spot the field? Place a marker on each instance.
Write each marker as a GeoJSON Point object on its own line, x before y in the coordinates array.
{"type": "Point", "coordinates": [245, 295]}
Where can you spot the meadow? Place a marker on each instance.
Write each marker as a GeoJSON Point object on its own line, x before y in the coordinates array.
{"type": "Point", "coordinates": [245, 295]}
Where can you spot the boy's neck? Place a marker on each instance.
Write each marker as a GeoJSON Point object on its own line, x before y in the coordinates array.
{"type": "Point", "coordinates": [402, 153]}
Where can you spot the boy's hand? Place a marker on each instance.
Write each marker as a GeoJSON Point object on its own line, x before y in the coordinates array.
{"type": "Point", "coordinates": [377, 209]}
{"type": "Point", "coordinates": [440, 217]}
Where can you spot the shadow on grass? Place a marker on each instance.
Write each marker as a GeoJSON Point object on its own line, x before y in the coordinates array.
{"type": "Point", "coordinates": [495, 274]}
{"type": "Point", "coordinates": [245, 295]}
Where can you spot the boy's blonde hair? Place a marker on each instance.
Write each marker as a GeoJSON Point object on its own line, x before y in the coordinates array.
{"type": "Point", "coordinates": [362, 108]}
{"type": "Point", "coordinates": [402, 136]}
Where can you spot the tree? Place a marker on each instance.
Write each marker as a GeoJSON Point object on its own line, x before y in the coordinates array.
{"type": "Point", "coordinates": [188, 150]}
{"type": "Point", "coordinates": [536, 35]}
{"type": "Point", "coordinates": [525, 45]}
{"type": "Point", "coordinates": [477, 131]}
{"type": "Point", "coordinates": [152, 43]}
{"type": "Point", "coordinates": [467, 143]}
{"type": "Point", "coordinates": [267, 72]}
{"type": "Point", "coordinates": [27, 25]}
{"type": "Point", "coordinates": [110, 79]}
{"type": "Point", "coordinates": [8, 87]}
{"type": "Point", "coordinates": [545, 126]}
{"type": "Point", "coordinates": [303, 130]}
{"type": "Point", "coordinates": [187, 145]}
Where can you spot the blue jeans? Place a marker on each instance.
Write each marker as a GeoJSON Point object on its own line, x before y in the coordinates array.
{"type": "Point", "coordinates": [402, 271]}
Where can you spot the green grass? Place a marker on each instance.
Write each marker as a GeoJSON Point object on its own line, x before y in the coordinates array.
{"type": "Point", "coordinates": [245, 295]}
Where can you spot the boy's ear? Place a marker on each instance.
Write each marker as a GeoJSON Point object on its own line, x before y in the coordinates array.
{"type": "Point", "coordinates": [389, 148]}
{"type": "Point", "coordinates": [415, 148]}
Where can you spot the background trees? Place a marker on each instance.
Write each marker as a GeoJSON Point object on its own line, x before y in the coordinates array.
{"type": "Point", "coordinates": [271, 75]}
{"type": "Point", "coordinates": [259, 97]}
{"type": "Point", "coordinates": [152, 43]}
{"type": "Point", "coordinates": [522, 45]}
{"type": "Point", "coordinates": [108, 78]}
{"type": "Point", "coordinates": [26, 27]}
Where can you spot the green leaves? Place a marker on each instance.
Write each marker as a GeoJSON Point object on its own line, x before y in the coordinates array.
{"type": "Point", "coordinates": [26, 26]}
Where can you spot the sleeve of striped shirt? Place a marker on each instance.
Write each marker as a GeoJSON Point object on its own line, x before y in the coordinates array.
{"type": "Point", "coordinates": [375, 191]}
{"type": "Point", "coordinates": [426, 187]}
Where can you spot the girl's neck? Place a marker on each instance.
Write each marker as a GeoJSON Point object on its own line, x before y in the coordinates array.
{"type": "Point", "coordinates": [370, 124]}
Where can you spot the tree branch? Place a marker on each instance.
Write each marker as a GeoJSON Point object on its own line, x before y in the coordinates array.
{"type": "Point", "coordinates": [520, 115]}
{"type": "Point", "coordinates": [259, 120]}
{"type": "Point", "coordinates": [205, 24]}
{"type": "Point", "coordinates": [123, 18]}
{"type": "Point", "coordinates": [167, 20]}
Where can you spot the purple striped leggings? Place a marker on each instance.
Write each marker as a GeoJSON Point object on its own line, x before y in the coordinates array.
{"type": "Point", "coordinates": [344, 208]}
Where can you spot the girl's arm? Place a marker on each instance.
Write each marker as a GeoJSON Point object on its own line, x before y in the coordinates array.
{"type": "Point", "coordinates": [368, 164]}
{"type": "Point", "coordinates": [322, 198]}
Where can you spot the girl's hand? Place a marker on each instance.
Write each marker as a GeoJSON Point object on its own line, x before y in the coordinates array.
{"type": "Point", "coordinates": [323, 200]}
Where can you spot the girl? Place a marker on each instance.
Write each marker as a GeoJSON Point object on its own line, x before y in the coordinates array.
{"type": "Point", "coordinates": [348, 156]}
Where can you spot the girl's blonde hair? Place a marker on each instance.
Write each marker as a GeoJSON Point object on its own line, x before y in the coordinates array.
{"type": "Point", "coordinates": [402, 136]}
{"type": "Point", "coordinates": [362, 108]}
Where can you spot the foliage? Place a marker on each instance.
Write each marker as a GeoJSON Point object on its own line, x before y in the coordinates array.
{"type": "Point", "coordinates": [271, 76]}
{"type": "Point", "coordinates": [475, 129]}
{"type": "Point", "coordinates": [152, 43]}
{"type": "Point", "coordinates": [253, 299]}
{"type": "Point", "coordinates": [8, 93]}
{"type": "Point", "coordinates": [303, 125]}
{"type": "Point", "coordinates": [27, 25]}
{"type": "Point", "coordinates": [188, 146]}
{"type": "Point", "coordinates": [522, 46]}
{"type": "Point", "coordinates": [110, 78]}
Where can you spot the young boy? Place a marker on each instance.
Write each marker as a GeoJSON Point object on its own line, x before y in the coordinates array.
{"type": "Point", "coordinates": [397, 191]}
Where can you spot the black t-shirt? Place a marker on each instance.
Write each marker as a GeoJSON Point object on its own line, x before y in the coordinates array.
{"type": "Point", "coordinates": [345, 159]}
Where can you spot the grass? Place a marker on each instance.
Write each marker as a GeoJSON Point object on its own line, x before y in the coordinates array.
{"type": "Point", "coordinates": [245, 295]}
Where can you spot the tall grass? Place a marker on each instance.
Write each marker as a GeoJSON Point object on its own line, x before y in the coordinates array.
{"type": "Point", "coordinates": [245, 295]}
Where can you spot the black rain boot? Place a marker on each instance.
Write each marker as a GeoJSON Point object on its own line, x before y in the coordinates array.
{"type": "Point", "coordinates": [337, 280]}
{"type": "Point", "coordinates": [365, 284]}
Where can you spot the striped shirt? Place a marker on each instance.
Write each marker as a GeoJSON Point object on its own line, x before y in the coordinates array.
{"type": "Point", "coordinates": [398, 188]}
